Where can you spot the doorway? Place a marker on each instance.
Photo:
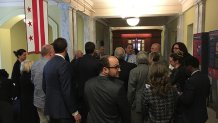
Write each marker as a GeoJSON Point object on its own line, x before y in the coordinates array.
{"type": "Point", "coordinates": [141, 39]}
{"type": "Point", "coordinates": [190, 38]}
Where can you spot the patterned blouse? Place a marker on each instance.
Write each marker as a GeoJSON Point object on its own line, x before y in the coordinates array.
{"type": "Point", "coordinates": [158, 109]}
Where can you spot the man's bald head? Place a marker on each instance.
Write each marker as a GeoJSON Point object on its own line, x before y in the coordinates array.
{"type": "Point", "coordinates": [78, 54]}
{"type": "Point", "coordinates": [119, 53]}
{"type": "Point", "coordinates": [155, 47]}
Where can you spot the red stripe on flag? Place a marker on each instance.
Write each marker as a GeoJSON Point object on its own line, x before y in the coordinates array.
{"type": "Point", "coordinates": [42, 27]}
{"type": "Point", "coordinates": [35, 25]}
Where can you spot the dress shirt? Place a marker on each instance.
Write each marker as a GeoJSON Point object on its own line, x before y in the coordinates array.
{"type": "Point", "coordinates": [36, 76]}
{"type": "Point", "coordinates": [60, 55]}
{"type": "Point", "coordinates": [131, 58]}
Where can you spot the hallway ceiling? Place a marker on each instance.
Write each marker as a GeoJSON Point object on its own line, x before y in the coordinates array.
{"type": "Point", "coordinates": [151, 12]}
{"type": "Point", "coordinates": [110, 12]}
{"type": "Point", "coordinates": [114, 8]}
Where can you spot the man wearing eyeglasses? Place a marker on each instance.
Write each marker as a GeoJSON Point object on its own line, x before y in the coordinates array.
{"type": "Point", "coordinates": [106, 96]}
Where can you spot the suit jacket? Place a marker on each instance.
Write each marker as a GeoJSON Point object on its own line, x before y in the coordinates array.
{"type": "Point", "coordinates": [106, 99]}
{"type": "Point", "coordinates": [193, 99]}
{"type": "Point", "coordinates": [178, 77]}
{"type": "Point", "coordinates": [85, 68]}
{"type": "Point", "coordinates": [15, 77]}
{"type": "Point", "coordinates": [6, 87]}
{"type": "Point", "coordinates": [137, 79]}
{"type": "Point", "coordinates": [28, 111]}
{"type": "Point", "coordinates": [59, 88]}
{"type": "Point", "coordinates": [125, 68]}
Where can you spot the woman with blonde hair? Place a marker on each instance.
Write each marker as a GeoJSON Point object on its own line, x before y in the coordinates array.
{"type": "Point", "coordinates": [159, 96]}
{"type": "Point", "coordinates": [28, 111]}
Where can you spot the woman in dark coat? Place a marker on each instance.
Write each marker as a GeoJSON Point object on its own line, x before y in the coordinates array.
{"type": "Point", "coordinates": [6, 110]}
{"type": "Point", "coordinates": [15, 77]}
{"type": "Point", "coordinates": [28, 111]}
{"type": "Point", "coordinates": [21, 56]}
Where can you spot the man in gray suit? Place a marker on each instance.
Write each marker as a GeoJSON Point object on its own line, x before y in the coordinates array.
{"type": "Point", "coordinates": [105, 95]}
{"type": "Point", "coordinates": [137, 80]}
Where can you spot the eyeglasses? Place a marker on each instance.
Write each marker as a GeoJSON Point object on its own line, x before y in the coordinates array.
{"type": "Point", "coordinates": [116, 67]}
{"type": "Point", "coordinates": [175, 48]}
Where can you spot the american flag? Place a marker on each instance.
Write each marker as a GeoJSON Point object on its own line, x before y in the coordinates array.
{"type": "Point", "coordinates": [36, 24]}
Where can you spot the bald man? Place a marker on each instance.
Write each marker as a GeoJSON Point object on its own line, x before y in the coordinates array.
{"type": "Point", "coordinates": [155, 47]}
{"type": "Point", "coordinates": [47, 53]}
{"type": "Point", "coordinates": [78, 54]}
{"type": "Point", "coordinates": [125, 66]}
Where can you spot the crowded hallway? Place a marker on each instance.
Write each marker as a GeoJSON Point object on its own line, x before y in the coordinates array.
{"type": "Point", "coordinates": [84, 61]}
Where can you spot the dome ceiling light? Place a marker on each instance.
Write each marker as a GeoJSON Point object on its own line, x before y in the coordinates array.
{"type": "Point", "coordinates": [132, 21]}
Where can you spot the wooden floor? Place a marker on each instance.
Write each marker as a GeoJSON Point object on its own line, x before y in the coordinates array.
{"type": "Point", "coordinates": [212, 116]}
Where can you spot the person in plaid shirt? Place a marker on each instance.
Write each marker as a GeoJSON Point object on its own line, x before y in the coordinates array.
{"type": "Point", "coordinates": [159, 96]}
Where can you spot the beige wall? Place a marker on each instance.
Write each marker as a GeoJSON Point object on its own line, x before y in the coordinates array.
{"type": "Point", "coordinates": [18, 40]}
{"type": "Point", "coordinates": [189, 18]}
{"type": "Point", "coordinates": [99, 33]}
{"type": "Point", "coordinates": [211, 16]}
{"type": "Point", "coordinates": [50, 35]}
{"type": "Point", "coordinates": [5, 47]}
{"type": "Point", "coordinates": [54, 13]}
{"type": "Point", "coordinates": [102, 34]}
{"type": "Point", "coordinates": [13, 37]}
{"type": "Point", "coordinates": [80, 32]}
{"type": "Point", "coordinates": [171, 36]}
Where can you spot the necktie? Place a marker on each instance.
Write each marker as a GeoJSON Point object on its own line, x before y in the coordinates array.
{"type": "Point", "coordinates": [127, 58]}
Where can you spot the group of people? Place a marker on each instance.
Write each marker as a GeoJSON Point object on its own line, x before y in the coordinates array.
{"type": "Point", "coordinates": [121, 88]}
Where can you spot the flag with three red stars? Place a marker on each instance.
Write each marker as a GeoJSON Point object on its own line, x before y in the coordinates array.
{"type": "Point", "coordinates": [36, 24]}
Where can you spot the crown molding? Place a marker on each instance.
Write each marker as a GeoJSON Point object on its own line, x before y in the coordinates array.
{"type": "Point", "coordinates": [186, 4]}
{"type": "Point", "coordinates": [137, 27]}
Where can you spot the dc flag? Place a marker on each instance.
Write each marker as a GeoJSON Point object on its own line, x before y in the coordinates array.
{"type": "Point", "coordinates": [36, 24]}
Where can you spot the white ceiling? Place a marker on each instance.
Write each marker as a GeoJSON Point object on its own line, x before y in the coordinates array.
{"type": "Point", "coordinates": [115, 8]}
{"type": "Point", "coordinates": [152, 12]}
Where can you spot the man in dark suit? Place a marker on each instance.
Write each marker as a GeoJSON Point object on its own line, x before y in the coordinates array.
{"type": "Point", "coordinates": [125, 66]}
{"type": "Point", "coordinates": [106, 96]}
{"type": "Point", "coordinates": [196, 91]}
{"type": "Point", "coordinates": [85, 68]}
{"type": "Point", "coordinates": [60, 102]}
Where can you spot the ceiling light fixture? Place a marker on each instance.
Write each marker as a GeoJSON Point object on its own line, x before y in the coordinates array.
{"type": "Point", "coordinates": [132, 21]}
